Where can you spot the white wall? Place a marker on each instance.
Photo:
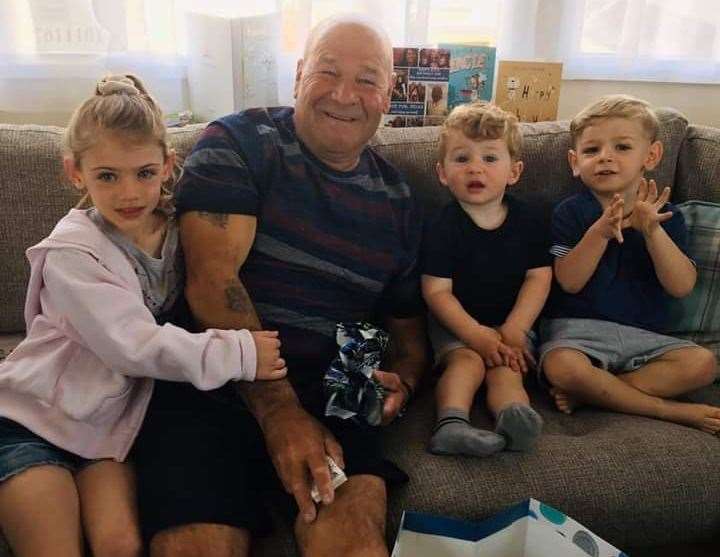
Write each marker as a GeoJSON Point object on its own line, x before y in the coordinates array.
{"type": "Point", "coordinates": [700, 103]}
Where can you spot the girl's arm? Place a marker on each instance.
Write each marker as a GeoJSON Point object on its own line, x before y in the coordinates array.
{"type": "Point", "coordinates": [113, 322]}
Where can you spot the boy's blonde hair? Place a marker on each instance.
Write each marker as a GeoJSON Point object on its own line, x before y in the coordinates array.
{"type": "Point", "coordinates": [482, 120]}
{"type": "Point", "coordinates": [120, 105]}
{"type": "Point", "coordinates": [616, 106]}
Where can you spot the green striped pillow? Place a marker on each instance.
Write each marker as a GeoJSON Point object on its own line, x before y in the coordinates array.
{"type": "Point", "coordinates": [697, 316]}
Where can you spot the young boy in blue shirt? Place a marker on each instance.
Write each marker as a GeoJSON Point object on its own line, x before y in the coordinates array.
{"type": "Point", "coordinates": [486, 276]}
{"type": "Point", "coordinates": [620, 254]}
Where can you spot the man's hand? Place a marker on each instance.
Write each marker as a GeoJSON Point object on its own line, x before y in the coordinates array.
{"type": "Point", "coordinates": [646, 216]}
{"type": "Point", "coordinates": [396, 394]}
{"type": "Point", "coordinates": [298, 445]}
{"type": "Point", "coordinates": [609, 225]}
{"type": "Point", "coordinates": [489, 344]}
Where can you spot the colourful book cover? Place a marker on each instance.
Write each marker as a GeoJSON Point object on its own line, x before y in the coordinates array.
{"type": "Point", "coordinates": [472, 71]}
{"type": "Point", "coordinates": [420, 94]}
{"type": "Point", "coordinates": [530, 90]}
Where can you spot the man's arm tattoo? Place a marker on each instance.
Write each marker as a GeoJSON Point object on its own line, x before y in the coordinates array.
{"type": "Point", "coordinates": [237, 300]}
{"type": "Point", "coordinates": [218, 219]}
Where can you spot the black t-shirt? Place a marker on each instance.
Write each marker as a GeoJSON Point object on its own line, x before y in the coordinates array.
{"type": "Point", "coordinates": [487, 267]}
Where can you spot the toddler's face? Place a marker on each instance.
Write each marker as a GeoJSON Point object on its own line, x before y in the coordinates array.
{"type": "Point", "coordinates": [611, 155]}
{"type": "Point", "coordinates": [477, 172]}
{"type": "Point", "coordinates": [124, 179]}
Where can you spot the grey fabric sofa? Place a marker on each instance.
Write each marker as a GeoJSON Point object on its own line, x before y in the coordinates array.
{"type": "Point", "coordinates": [634, 481]}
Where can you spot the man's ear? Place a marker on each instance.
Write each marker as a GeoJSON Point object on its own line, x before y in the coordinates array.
{"type": "Point", "coordinates": [72, 172]}
{"type": "Point", "coordinates": [388, 94]}
{"type": "Point", "coordinates": [572, 160]}
{"type": "Point", "coordinates": [516, 169]}
{"type": "Point", "coordinates": [654, 156]}
{"type": "Point", "coordinates": [441, 173]}
{"type": "Point", "coordinates": [298, 77]}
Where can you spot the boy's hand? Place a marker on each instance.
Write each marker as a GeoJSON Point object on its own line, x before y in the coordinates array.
{"type": "Point", "coordinates": [488, 343]}
{"type": "Point", "coordinates": [269, 363]}
{"type": "Point", "coordinates": [609, 225]}
{"type": "Point", "coordinates": [516, 338]}
{"type": "Point", "coordinates": [646, 216]}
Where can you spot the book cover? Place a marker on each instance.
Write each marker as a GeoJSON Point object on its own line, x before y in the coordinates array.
{"type": "Point", "coordinates": [420, 94]}
{"type": "Point", "coordinates": [472, 72]}
{"type": "Point", "coordinates": [530, 90]}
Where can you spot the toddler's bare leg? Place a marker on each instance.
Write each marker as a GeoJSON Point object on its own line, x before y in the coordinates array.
{"type": "Point", "coordinates": [674, 373]}
{"type": "Point", "coordinates": [571, 372]}
{"type": "Point", "coordinates": [40, 513]}
{"type": "Point", "coordinates": [109, 510]}
{"type": "Point", "coordinates": [453, 434]}
{"type": "Point", "coordinates": [509, 403]}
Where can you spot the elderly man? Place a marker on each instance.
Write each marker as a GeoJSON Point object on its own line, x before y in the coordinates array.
{"type": "Point", "coordinates": [288, 219]}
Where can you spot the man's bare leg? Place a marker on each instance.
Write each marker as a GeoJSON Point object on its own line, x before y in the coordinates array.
{"type": "Point", "coordinates": [352, 526]}
{"type": "Point", "coordinates": [201, 540]}
{"type": "Point", "coordinates": [571, 372]}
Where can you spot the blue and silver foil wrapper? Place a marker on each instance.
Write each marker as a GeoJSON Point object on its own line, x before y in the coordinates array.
{"type": "Point", "coordinates": [351, 390]}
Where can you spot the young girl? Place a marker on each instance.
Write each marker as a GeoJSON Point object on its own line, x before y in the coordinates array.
{"type": "Point", "coordinates": [74, 393]}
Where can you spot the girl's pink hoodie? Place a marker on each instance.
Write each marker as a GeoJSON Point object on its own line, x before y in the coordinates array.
{"type": "Point", "coordinates": [83, 376]}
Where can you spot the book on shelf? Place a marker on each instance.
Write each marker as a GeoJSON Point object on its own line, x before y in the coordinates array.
{"type": "Point", "coordinates": [472, 72]}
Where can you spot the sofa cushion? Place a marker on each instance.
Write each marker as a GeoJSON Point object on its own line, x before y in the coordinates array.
{"type": "Point", "coordinates": [698, 173]}
{"type": "Point", "coordinates": [34, 195]}
{"type": "Point", "coordinates": [697, 316]}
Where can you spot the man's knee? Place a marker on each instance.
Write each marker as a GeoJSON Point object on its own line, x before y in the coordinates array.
{"type": "Point", "coordinates": [118, 544]}
{"type": "Point", "coordinates": [565, 368]}
{"type": "Point", "coordinates": [199, 540]}
{"type": "Point", "coordinates": [353, 525]}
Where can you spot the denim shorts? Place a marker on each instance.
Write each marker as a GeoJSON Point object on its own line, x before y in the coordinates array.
{"type": "Point", "coordinates": [611, 346]}
{"type": "Point", "coordinates": [21, 449]}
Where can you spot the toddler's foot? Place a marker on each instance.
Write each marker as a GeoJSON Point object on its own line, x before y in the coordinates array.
{"type": "Point", "coordinates": [700, 416]}
{"type": "Point", "coordinates": [520, 425]}
{"type": "Point", "coordinates": [564, 401]}
{"type": "Point", "coordinates": [453, 435]}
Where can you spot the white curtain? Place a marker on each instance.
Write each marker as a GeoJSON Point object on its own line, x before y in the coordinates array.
{"type": "Point", "coordinates": [51, 51]}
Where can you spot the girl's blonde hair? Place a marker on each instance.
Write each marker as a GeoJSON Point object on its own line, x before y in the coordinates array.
{"type": "Point", "coordinates": [483, 120]}
{"type": "Point", "coordinates": [120, 105]}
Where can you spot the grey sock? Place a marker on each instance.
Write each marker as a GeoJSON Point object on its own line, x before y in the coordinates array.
{"type": "Point", "coordinates": [454, 435]}
{"type": "Point", "coordinates": [520, 424]}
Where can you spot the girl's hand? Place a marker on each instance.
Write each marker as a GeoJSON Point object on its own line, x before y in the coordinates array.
{"type": "Point", "coordinates": [646, 216]}
{"type": "Point", "coordinates": [270, 365]}
{"type": "Point", "coordinates": [609, 225]}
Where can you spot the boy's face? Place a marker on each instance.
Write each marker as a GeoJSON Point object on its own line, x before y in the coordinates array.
{"type": "Point", "coordinates": [611, 155]}
{"type": "Point", "coordinates": [477, 172]}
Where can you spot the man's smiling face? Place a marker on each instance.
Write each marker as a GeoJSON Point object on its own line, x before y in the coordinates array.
{"type": "Point", "coordinates": [342, 89]}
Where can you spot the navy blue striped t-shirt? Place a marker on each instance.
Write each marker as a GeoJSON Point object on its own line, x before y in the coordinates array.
{"type": "Point", "coordinates": [330, 246]}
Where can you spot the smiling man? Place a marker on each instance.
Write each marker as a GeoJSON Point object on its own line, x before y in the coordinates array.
{"type": "Point", "coordinates": [289, 220]}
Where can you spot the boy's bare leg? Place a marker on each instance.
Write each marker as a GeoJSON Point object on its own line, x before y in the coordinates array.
{"type": "Point", "coordinates": [352, 526]}
{"type": "Point", "coordinates": [40, 513]}
{"type": "Point", "coordinates": [509, 403]}
{"type": "Point", "coordinates": [464, 373]}
{"type": "Point", "coordinates": [571, 372]}
{"type": "Point", "coordinates": [674, 373]}
{"type": "Point", "coordinates": [109, 509]}
{"type": "Point", "coordinates": [200, 540]}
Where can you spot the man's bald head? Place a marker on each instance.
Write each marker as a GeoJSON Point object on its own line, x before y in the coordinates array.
{"type": "Point", "coordinates": [350, 20]}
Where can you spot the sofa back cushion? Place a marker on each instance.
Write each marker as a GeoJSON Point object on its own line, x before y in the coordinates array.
{"type": "Point", "coordinates": [698, 172]}
{"type": "Point", "coordinates": [34, 194]}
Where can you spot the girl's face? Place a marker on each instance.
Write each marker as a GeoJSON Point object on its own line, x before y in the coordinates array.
{"type": "Point", "coordinates": [123, 177]}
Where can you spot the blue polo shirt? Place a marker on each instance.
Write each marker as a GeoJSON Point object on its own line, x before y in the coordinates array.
{"type": "Point", "coordinates": [624, 288]}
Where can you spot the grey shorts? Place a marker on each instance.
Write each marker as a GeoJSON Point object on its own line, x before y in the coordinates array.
{"type": "Point", "coordinates": [21, 449]}
{"type": "Point", "coordinates": [614, 347]}
{"type": "Point", "coordinates": [443, 341]}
